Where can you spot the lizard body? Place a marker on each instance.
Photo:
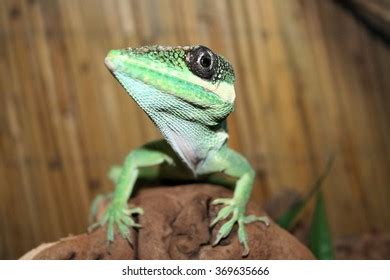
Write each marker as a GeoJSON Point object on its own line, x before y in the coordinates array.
{"type": "Point", "coordinates": [188, 92]}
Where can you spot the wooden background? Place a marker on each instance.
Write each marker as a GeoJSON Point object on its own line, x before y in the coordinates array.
{"type": "Point", "coordinates": [312, 81]}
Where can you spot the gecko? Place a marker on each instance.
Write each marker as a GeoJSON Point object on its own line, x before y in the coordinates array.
{"type": "Point", "coordinates": [187, 92]}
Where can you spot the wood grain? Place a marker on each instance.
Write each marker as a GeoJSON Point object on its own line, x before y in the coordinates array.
{"type": "Point", "coordinates": [375, 13]}
{"type": "Point", "coordinates": [312, 81]}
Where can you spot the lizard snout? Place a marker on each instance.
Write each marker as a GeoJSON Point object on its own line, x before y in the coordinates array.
{"type": "Point", "coordinates": [110, 59]}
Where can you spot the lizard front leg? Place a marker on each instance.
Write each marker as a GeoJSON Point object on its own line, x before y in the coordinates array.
{"type": "Point", "coordinates": [135, 166]}
{"type": "Point", "coordinates": [234, 165]}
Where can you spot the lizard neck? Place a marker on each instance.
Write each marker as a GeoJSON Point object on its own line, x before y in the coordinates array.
{"type": "Point", "coordinates": [191, 131]}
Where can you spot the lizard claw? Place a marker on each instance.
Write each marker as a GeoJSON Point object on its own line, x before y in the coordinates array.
{"type": "Point", "coordinates": [226, 228]}
{"type": "Point", "coordinates": [92, 227]}
{"type": "Point", "coordinates": [253, 218]}
{"type": "Point", "coordinates": [136, 210]}
{"type": "Point", "coordinates": [222, 201]}
{"type": "Point", "coordinates": [118, 216]}
{"type": "Point", "coordinates": [237, 216]}
{"type": "Point", "coordinates": [222, 214]}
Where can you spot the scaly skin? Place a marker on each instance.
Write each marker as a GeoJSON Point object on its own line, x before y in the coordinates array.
{"type": "Point", "coordinates": [187, 92]}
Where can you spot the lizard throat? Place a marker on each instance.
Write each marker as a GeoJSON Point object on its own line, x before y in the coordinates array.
{"type": "Point", "coordinates": [192, 138]}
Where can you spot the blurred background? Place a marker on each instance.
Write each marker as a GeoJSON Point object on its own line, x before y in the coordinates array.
{"type": "Point", "coordinates": [312, 82]}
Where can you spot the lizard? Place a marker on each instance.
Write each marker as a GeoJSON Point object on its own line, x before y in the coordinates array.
{"type": "Point", "coordinates": [187, 92]}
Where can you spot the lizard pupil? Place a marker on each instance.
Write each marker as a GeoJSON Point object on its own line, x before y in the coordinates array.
{"type": "Point", "coordinates": [205, 61]}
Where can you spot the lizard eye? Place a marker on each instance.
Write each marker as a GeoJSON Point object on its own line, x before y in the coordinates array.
{"type": "Point", "coordinates": [202, 62]}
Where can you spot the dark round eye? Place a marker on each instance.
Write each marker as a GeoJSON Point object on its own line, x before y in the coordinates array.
{"type": "Point", "coordinates": [202, 62]}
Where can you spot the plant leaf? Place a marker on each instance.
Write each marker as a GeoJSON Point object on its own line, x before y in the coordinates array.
{"type": "Point", "coordinates": [288, 219]}
{"type": "Point", "coordinates": [320, 236]}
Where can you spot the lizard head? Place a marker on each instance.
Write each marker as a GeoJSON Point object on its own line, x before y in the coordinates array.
{"type": "Point", "coordinates": [192, 74]}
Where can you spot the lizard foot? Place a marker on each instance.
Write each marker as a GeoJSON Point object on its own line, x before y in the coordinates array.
{"type": "Point", "coordinates": [237, 213]}
{"type": "Point", "coordinates": [119, 216]}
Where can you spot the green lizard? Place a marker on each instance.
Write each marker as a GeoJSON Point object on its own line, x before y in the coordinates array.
{"type": "Point", "coordinates": [187, 92]}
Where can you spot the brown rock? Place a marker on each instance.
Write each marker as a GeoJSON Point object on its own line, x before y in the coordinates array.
{"type": "Point", "coordinates": [176, 226]}
{"type": "Point", "coordinates": [83, 247]}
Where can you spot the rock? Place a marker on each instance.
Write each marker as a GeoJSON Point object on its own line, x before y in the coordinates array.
{"type": "Point", "coordinates": [176, 226]}
{"type": "Point", "coordinates": [83, 247]}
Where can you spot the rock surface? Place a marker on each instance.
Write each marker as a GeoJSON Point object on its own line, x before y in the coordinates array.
{"type": "Point", "coordinates": [176, 226]}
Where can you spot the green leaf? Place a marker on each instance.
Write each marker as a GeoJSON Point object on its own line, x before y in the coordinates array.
{"type": "Point", "coordinates": [320, 237]}
{"type": "Point", "coordinates": [287, 220]}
